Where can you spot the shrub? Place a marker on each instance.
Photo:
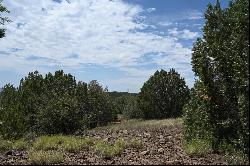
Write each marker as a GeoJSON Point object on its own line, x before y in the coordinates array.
{"type": "Point", "coordinates": [12, 118]}
{"type": "Point", "coordinates": [220, 60]}
{"type": "Point", "coordinates": [196, 115]}
{"type": "Point", "coordinates": [163, 95]}
{"type": "Point", "coordinates": [128, 106]}
{"type": "Point", "coordinates": [101, 107]}
{"type": "Point", "coordinates": [54, 104]}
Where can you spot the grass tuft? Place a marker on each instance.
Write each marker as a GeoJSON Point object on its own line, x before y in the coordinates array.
{"type": "Point", "coordinates": [45, 157]}
{"type": "Point", "coordinates": [5, 145]}
{"type": "Point", "coordinates": [20, 144]}
{"type": "Point", "coordinates": [76, 144]}
{"type": "Point", "coordinates": [107, 151]}
{"type": "Point", "coordinates": [198, 147]}
{"type": "Point", "coordinates": [67, 143]}
{"type": "Point", "coordinates": [135, 143]}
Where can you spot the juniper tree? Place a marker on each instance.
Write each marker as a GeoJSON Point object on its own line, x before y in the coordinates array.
{"type": "Point", "coordinates": [163, 95]}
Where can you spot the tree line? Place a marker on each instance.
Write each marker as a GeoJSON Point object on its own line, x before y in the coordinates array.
{"type": "Point", "coordinates": [56, 103]}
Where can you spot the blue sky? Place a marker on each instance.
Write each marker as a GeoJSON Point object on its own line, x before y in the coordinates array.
{"type": "Point", "coordinates": [120, 43]}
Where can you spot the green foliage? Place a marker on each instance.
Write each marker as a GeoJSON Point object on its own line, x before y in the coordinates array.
{"type": "Point", "coordinates": [45, 157]}
{"type": "Point", "coordinates": [53, 104]}
{"type": "Point", "coordinates": [135, 143]}
{"type": "Point", "coordinates": [48, 142]}
{"type": "Point", "coordinates": [20, 144]}
{"type": "Point", "coordinates": [163, 95]}
{"type": "Point", "coordinates": [76, 144]}
{"type": "Point", "coordinates": [198, 147]}
{"type": "Point", "coordinates": [196, 115]}
{"type": "Point", "coordinates": [12, 119]}
{"type": "Point", "coordinates": [106, 150]}
{"type": "Point", "coordinates": [3, 9]}
{"type": "Point", "coordinates": [101, 105]}
{"type": "Point", "coordinates": [219, 105]}
{"type": "Point", "coordinates": [6, 145]}
{"type": "Point", "coordinates": [128, 106]}
{"type": "Point", "coordinates": [66, 143]}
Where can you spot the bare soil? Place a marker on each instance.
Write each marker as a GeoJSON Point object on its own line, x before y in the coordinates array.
{"type": "Point", "coordinates": [161, 146]}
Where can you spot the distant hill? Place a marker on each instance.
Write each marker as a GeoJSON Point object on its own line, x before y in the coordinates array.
{"type": "Point", "coordinates": [116, 94]}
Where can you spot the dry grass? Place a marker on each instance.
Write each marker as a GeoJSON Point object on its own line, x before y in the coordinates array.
{"type": "Point", "coordinates": [198, 147]}
{"type": "Point", "coordinates": [107, 150]}
{"type": "Point", "coordinates": [45, 157]}
{"type": "Point", "coordinates": [6, 145]}
{"type": "Point", "coordinates": [137, 124]}
{"type": "Point", "coordinates": [67, 143]}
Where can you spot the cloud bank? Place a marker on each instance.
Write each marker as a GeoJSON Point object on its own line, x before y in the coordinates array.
{"type": "Point", "coordinates": [71, 34]}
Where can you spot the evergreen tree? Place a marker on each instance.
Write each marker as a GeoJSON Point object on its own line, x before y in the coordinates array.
{"type": "Point", "coordinates": [163, 95]}
{"type": "Point", "coordinates": [3, 20]}
{"type": "Point", "coordinates": [220, 60]}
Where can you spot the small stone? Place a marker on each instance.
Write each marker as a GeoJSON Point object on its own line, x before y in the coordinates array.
{"type": "Point", "coordinates": [162, 141]}
{"type": "Point", "coordinates": [147, 135]}
{"type": "Point", "coordinates": [161, 137]}
{"type": "Point", "coordinates": [160, 150]}
{"type": "Point", "coordinates": [125, 131]}
{"type": "Point", "coordinates": [106, 139]}
{"type": "Point", "coordinates": [97, 137]}
{"type": "Point", "coordinates": [169, 162]}
{"type": "Point", "coordinates": [144, 152]}
{"type": "Point", "coordinates": [153, 152]}
{"type": "Point", "coordinates": [91, 160]}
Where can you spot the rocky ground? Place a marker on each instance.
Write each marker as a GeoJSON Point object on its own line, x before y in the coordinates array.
{"type": "Point", "coordinates": [161, 146]}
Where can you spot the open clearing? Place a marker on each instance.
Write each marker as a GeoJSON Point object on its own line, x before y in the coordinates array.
{"type": "Point", "coordinates": [147, 142]}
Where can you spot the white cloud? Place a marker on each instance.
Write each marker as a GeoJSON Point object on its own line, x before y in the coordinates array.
{"type": "Point", "coordinates": [183, 34]}
{"type": "Point", "coordinates": [192, 15]}
{"type": "Point", "coordinates": [165, 23]}
{"type": "Point", "coordinates": [102, 32]}
{"type": "Point", "coordinates": [150, 10]}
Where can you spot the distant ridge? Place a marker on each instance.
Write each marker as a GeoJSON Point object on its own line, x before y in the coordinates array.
{"type": "Point", "coordinates": [116, 94]}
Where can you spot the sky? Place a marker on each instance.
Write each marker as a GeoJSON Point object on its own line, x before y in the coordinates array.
{"type": "Point", "coordinates": [119, 43]}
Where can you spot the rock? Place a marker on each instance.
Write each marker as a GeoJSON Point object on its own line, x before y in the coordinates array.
{"type": "Point", "coordinates": [161, 137]}
{"type": "Point", "coordinates": [125, 131]}
{"type": "Point", "coordinates": [146, 152]}
{"type": "Point", "coordinates": [91, 160]}
{"type": "Point", "coordinates": [106, 139]}
{"type": "Point", "coordinates": [9, 153]}
{"type": "Point", "coordinates": [162, 141]}
{"type": "Point", "coordinates": [169, 162]}
{"type": "Point", "coordinates": [152, 152]}
{"type": "Point", "coordinates": [147, 135]}
{"type": "Point", "coordinates": [97, 137]}
{"type": "Point", "coordinates": [161, 150]}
